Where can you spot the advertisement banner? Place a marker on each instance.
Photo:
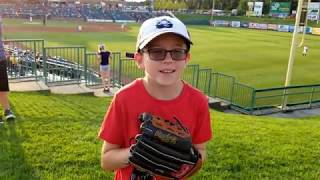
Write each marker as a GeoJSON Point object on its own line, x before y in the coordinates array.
{"type": "Point", "coordinates": [252, 25]}
{"type": "Point", "coordinates": [291, 28]}
{"type": "Point", "coordinates": [316, 31]}
{"type": "Point", "coordinates": [273, 27]}
{"type": "Point", "coordinates": [280, 9]}
{"type": "Point", "coordinates": [235, 24]}
{"type": "Point", "coordinates": [221, 23]}
{"type": "Point", "coordinates": [262, 26]}
{"type": "Point", "coordinates": [258, 7]}
{"type": "Point", "coordinates": [313, 11]}
{"type": "Point", "coordinates": [309, 30]}
{"type": "Point", "coordinates": [244, 24]}
{"type": "Point", "coordinates": [283, 28]}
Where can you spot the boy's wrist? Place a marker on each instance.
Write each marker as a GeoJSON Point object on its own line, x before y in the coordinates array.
{"type": "Point", "coordinates": [127, 151]}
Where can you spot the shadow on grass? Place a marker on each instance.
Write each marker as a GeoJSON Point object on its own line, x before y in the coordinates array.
{"type": "Point", "coordinates": [12, 154]}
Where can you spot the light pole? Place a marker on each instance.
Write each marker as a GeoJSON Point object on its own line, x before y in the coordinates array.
{"type": "Point", "coordinates": [292, 53]}
{"type": "Point", "coordinates": [211, 19]}
{"type": "Point", "coordinates": [304, 28]}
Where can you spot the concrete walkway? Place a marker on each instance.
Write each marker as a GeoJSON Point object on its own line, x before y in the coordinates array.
{"type": "Point", "coordinates": [298, 113]}
{"type": "Point", "coordinates": [22, 86]}
{"type": "Point", "coordinates": [28, 86]}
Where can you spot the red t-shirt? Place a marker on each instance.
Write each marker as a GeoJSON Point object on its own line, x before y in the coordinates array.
{"type": "Point", "coordinates": [121, 123]}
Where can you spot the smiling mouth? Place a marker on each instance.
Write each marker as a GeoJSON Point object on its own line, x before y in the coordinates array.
{"type": "Point", "coordinates": [168, 71]}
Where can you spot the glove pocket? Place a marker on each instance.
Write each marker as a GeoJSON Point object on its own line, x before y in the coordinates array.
{"type": "Point", "coordinates": [167, 135]}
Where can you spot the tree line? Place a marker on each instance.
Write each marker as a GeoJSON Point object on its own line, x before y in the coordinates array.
{"type": "Point", "coordinates": [228, 5]}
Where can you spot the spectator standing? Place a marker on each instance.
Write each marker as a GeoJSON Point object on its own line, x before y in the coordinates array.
{"type": "Point", "coordinates": [104, 67]}
{"type": "Point", "coordinates": [4, 85]}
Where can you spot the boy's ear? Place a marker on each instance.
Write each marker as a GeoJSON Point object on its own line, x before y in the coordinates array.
{"type": "Point", "coordinates": [138, 57]}
{"type": "Point", "coordinates": [188, 57]}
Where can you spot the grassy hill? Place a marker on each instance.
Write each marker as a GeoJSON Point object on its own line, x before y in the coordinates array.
{"type": "Point", "coordinates": [55, 137]}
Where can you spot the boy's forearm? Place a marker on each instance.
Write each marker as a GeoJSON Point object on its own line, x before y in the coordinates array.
{"type": "Point", "coordinates": [115, 159]}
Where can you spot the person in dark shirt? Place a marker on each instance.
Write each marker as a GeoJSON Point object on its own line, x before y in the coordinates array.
{"type": "Point", "coordinates": [105, 57]}
{"type": "Point", "coordinates": [4, 85]}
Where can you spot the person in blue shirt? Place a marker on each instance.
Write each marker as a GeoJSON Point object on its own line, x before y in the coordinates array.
{"type": "Point", "coordinates": [105, 57]}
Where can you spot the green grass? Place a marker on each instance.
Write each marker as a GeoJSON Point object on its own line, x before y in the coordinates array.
{"type": "Point", "coordinates": [248, 55]}
{"type": "Point", "coordinates": [55, 137]}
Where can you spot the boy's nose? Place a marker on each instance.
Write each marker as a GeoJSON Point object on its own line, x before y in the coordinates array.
{"type": "Point", "coordinates": [168, 57]}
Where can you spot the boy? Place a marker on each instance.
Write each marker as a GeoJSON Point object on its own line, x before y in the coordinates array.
{"type": "Point", "coordinates": [104, 67]}
{"type": "Point", "coordinates": [4, 85]}
{"type": "Point", "coordinates": [163, 46]}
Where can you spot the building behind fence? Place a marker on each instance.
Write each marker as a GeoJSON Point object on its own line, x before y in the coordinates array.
{"type": "Point", "coordinates": [29, 59]}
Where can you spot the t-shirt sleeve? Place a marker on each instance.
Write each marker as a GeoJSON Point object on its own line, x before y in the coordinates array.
{"type": "Point", "coordinates": [204, 132]}
{"type": "Point", "coordinates": [111, 127]}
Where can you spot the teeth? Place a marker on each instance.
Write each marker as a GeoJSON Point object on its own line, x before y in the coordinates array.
{"type": "Point", "coordinates": [167, 71]}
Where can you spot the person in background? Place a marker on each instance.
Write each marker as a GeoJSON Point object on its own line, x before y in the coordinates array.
{"type": "Point", "coordinates": [305, 51]}
{"type": "Point", "coordinates": [4, 84]}
{"type": "Point", "coordinates": [105, 57]}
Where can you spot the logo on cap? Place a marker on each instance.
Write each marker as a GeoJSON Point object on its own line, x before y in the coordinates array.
{"type": "Point", "coordinates": [164, 23]}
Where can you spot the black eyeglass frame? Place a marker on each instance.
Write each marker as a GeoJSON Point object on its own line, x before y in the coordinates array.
{"type": "Point", "coordinates": [165, 52]}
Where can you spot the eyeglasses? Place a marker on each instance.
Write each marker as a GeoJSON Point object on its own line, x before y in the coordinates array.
{"type": "Point", "coordinates": [158, 54]}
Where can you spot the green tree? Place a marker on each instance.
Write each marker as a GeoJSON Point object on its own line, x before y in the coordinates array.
{"type": "Point", "coordinates": [242, 7]}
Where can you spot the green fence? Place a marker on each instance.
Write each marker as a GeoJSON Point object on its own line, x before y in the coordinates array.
{"type": "Point", "coordinates": [222, 86]}
{"type": "Point", "coordinates": [293, 97]}
{"type": "Point", "coordinates": [92, 73]}
{"type": "Point", "coordinates": [191, 74]}
{"type": "Point", "coordinates": [64, 65]}
{"type": "Point", "coordinates": [204, 80]}
{"type": "Point", "coordinates": [242, 98]}
{"type": "Point", "coordinates": [128, 71]}
{"type": "Point", "coordinates": [22, 63]}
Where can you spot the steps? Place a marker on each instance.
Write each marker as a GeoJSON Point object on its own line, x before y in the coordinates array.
{"type": "Point", "coordinates": [218, 104]}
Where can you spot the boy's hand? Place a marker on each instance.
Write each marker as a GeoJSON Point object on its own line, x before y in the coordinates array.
{"type": "Point", "coordinates": [164, 149]}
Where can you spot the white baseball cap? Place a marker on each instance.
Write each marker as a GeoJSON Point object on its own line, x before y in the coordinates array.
{"type": "Point", "coordinates": [157, 26]}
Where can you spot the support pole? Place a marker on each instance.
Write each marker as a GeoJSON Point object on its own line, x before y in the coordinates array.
{"type": "Point", "coordinates": [292, 53]}
{"type": "Point", "coordinates": [211, 19]}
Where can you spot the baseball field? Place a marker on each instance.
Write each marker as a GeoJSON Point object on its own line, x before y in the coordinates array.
{"type": "Point", "coordinates": [249, 55]}
{"type": "Point", "coordinates": [55, 136]}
